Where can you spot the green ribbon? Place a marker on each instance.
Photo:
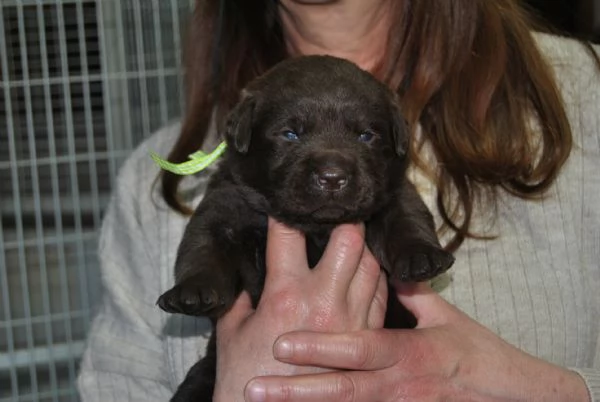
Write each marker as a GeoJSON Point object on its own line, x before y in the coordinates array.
{"type": "Point", "coordinates": [198, 161]}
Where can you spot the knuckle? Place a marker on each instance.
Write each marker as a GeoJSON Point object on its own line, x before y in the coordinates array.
{"type": "Point", "coordinates": [281, 392]}
{"type": "Point", "coordinates": [346, 388]}
{"type": "Point", "coordinates": [379, 305]}
{"type": "Point", "coordinates": [286, 393]}
{"type": "Point", "coordinates": [370, 266]}
{"type": "Point", "coordinates": [362, 353]}
{"type": "Point", "coordinates": [349, 238]}
{"type": "Point", "coordinates": [284, 303]}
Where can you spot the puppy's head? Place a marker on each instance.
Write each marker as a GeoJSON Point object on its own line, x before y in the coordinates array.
{"type": "Point", "coordinates": [320, 138]}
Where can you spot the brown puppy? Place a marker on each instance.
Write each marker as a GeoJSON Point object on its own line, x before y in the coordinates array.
{"type": "Point", "coordinates": [315, 142]}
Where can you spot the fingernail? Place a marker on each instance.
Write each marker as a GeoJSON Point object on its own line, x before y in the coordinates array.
{"type": "Point", "coordinates": [256, 391]}
{"type": "Point", "coordinates": [283, 349]}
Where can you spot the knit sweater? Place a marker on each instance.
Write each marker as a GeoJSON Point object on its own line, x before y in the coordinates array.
{"type": "Point", "coordinates": [536, 285]}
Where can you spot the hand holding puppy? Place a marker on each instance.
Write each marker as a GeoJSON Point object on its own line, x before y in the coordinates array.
{"type": "Point", "coordinates": [448, 357]}
{"type": "Point", "coordinates": [345, 292]}
{"type": "Point", "coordinates": [338, 350]}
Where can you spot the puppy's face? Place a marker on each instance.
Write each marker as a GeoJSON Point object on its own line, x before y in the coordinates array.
{"type": "Point", "coordinates": [320, 139]}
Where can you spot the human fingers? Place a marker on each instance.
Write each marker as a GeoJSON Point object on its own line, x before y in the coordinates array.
{"type": "Point", "coordinates": [359, 350]}
{"type": "Point", "coordinates": [286, 253]}
{"type": "Point", "coordinates": [363, 287]}
{"type": "Point", "coordinates": [365, 386]}
{"type": "Point", "coordinates": [341, 257]}
{"type": "Point", "coordinates": [378, 306]}
{"type": "Point", "coordinates": [428, 307]}
{"type": "Point", "coordinates": [241, 309]}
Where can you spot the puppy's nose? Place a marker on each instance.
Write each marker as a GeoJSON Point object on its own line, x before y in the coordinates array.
{"type": "Point", "coordinates": [331, 178]}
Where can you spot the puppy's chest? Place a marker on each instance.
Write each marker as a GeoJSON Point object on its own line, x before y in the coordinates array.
{"type": "Point", "coordinates": [315, 246]}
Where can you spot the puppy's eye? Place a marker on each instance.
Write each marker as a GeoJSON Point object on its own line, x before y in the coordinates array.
{"type": "Point", "coordinates": [290, 135]}
{"type": "Point", "coordinates": [366, 136]}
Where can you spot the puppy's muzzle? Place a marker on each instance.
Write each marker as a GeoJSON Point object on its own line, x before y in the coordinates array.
{"type": "Point", "coordinates": [331, 178]}
{"type": "Point", "coordinates": [331, 172]}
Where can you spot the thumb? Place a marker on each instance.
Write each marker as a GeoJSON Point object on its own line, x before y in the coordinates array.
{"type": "Point", "coordinates": [429, 308]}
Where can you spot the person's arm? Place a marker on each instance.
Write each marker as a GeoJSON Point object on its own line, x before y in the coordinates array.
{"type": "Point", "coordinates": [125, 358]}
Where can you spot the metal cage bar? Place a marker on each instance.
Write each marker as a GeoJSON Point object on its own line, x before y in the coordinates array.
{"type": "Point", "coordinates": [82, 82]}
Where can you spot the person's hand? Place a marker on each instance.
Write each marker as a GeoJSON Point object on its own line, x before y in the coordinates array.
{"type": "Point", "coordinates": [448, 357]}
{"type": "Point", "coordinates": [345, 292]}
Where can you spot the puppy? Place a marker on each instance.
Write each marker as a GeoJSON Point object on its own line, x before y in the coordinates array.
{"type": "Point", "coordinates": [315, 142]}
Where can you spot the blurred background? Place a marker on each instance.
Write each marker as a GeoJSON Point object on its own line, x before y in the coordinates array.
{"type": "Point", "coordinates": [575, 17]}
{"type": "Point", "coordinates": [82, 82]}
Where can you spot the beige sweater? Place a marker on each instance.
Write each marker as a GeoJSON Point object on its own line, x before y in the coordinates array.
{"type": "Point", "coordinates": [537, 285]}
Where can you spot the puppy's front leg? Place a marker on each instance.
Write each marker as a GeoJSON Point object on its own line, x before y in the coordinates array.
{"type": "Point", "coordinates": [218, 255]}
{"type": "Point", "coordinates": [404, 239]}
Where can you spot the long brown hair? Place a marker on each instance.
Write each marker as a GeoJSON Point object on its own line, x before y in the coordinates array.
{"type": "Point", "coordinates": [467, 71]}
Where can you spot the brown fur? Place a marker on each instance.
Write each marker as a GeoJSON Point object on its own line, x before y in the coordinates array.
{"type": "Point", "coordinates": [316, 142]}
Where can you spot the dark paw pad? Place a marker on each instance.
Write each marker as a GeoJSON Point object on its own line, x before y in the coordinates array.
{"type": "Point", "coordinates": [190, 298]}
{"type": "Point", "coordinates": [420, 263]}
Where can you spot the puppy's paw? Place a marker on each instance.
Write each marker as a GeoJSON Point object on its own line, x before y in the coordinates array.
{"type": "Point", "coordinates": [420, 262]}
{"type": "Point", "coordinates": [197, 296]}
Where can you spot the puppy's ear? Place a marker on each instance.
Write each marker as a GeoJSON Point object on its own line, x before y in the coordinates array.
{"type": "Point", "coordinates": [399, 129]}
{"type": "Point", "coordinates": [238, 128]}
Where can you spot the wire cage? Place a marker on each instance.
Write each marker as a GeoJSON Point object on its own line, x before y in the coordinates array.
{"type": "Point", "coordinates": [82, 82]}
